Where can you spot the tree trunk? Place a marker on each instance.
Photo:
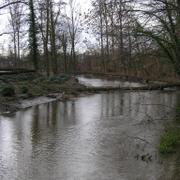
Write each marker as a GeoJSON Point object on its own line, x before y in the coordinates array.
{"type": "Point", "coordinates": [101, 38]}
{"type": "Point", "coordinates": [53, 40]}
{"type": "Point", "coordinates": [47, 39]}
{"type": "Point", "coordinates": [33, 36]}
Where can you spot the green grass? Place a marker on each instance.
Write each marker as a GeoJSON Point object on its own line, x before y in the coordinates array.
{"type": "Point", "coordinates": [170, 141]}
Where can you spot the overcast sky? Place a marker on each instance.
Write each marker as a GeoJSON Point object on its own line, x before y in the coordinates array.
{"type": "Point", "coordinates": [83, 5]}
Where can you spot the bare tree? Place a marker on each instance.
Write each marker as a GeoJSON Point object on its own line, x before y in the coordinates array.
{"type": "Point", "coordinates": [64, 41]}
{"type": "Point", "coordinates": [44, 27]}
{"type": "Point", "coordinates": [165, 30]}
{"type": "Point", "coordinates": [11, 3]}
{"type": "Point", "coordinates": [74, 29]}
{"type": "Point", "coordinates": [15, 22]}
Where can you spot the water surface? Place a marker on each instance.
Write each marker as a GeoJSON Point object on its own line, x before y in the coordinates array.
{"type": "Point", "coordinates": [99, 82]}
{"type": "Point", "coordinates": [97, 137]}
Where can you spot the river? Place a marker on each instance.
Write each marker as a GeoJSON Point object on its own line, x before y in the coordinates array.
{"type": "Point", "coordinates": [106, 136]}
{"type": "Point", "coordinates": [99, 82]}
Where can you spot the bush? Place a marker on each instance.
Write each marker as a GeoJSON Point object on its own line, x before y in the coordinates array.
{"type": "Point", "coordinates": [24, 90]}
{"type": "Point", "coordinates": [8, 91]}
{"type": "Point", "coordinates": [169, 142]}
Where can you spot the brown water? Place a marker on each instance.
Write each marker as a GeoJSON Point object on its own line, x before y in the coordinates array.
{"type": "Point", "coordinates": [109, 136]}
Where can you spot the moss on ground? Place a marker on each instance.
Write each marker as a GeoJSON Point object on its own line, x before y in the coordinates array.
{"type": "Point", "coordinates": [170, 141]}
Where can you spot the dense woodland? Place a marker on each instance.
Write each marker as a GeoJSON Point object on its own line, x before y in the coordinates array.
{"type": "Point", "coordinates": [130, 37]}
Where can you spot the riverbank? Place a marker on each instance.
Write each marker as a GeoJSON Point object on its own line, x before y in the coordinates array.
{"type": "Point", "coordinates": [28, 89]}
{"type": "Point", "coordinates": [170, 145]}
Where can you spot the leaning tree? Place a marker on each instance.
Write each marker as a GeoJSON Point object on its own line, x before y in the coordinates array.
{"type": "Point", "coordinates": [163, 26]}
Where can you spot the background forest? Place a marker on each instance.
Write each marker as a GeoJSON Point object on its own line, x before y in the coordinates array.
{"type": "Point", "coordinates": [126, 37]}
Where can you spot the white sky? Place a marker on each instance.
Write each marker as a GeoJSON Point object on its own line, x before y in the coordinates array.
{"type": "Point", "coordinates": [84, 5]}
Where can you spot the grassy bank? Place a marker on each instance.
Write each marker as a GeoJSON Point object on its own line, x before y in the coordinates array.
{"type": "Point", "coordinates": [31, 85]}
{"type": "Point", "coordinates": [14, 88]}
{"type": "Point", "coordinates": [170, 146]}
{"type": "Point", "coordinates": [170, 140]}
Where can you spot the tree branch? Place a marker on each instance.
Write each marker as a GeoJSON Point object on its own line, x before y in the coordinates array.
{"type": "Point", "coordinates": [11, 3]}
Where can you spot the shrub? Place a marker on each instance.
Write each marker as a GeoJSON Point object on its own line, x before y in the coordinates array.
{"type": "Point", "coordinates": [169, 142]}
{"type": "Point", "coordinates": [24, 89]}
{"type": "Point", "coordinates": [8, 91]}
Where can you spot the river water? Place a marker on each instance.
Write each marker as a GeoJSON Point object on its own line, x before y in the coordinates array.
{"type": "Point", "coordinates": [107, 136]}
{"type": "Point", "coordinates": [97, 82]}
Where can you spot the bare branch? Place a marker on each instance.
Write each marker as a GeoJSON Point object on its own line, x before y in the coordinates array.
{"type": "Point", "coordinates": [11, 3]}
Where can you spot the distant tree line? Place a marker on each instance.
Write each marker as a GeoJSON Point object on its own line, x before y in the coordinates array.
{"type": "Point", "coordinates": [128, 34]}
{"type": "Point", "coordinates": [52, 32]}
{"type": "Point", "coordinates": [129, 31]}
